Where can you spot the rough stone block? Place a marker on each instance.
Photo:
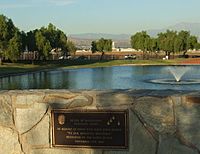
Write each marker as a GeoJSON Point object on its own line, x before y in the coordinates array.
{"type": "Point", "coordinates": [154, 117]}
{"type": "Point", "coordinates": [142, 141]}
{"type": "Point", "coordinates": [59, 100]}
{"type": "Point", "coordinates": [64, 151]}
{"type": "Point", "coordinates": [157, 113]}
{"type": "Point", "coordinates": [58, 96]}
{"type": "Point", "coordinates": [27, 118]}
{"type": "Point", "coordinates": [6, 111]}
{"type": "Point", "coordinates": [170, 145]}
{"type": "Point", "coordinates": [24, 98]}
{"type": "Point", "coordinates": [9, 143]}
{"type": "Point", "coordinates": [188, 121]}
{"type": "Point", "coordinates": [39, 135]}
{"type": "Point", "coordinates": [81, 101]}
{"type": "Point", "coordinates": [113, 99]}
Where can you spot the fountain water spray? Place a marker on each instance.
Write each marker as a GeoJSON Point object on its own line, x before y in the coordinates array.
{"type": "Point", "coordinates": [178, 72]}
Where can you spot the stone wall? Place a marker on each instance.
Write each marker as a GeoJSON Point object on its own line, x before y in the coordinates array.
{"type": "Point", "coordinates": [160, 122]}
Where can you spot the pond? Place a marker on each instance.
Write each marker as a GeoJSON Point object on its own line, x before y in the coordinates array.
{"type": "Point", "coordinates": [118, 77]}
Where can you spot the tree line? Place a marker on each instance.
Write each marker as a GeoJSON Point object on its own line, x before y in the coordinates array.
{"type": "Point", "coordinates": [169, 42]}
{"type": "Point", "coordinates": [13, 41]}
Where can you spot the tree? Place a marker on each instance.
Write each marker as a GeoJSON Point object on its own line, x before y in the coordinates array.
{"type": "Point", "coordinates": [30, 41]}
{"type": "Point", "coordinates": [177, 44]}
{"type": "Point", "coordinates": [153, 44]}
{"type": "Point", "coordinates": [108, 45]}
{"type": "Point", "coordinates": [14, 47]}
{"type": "Point", "coordinates": [191, 43]}
{"type": "Point", "coordinates": [23, 39]}
{"type": "Point", "coordinates": [197, 46]}
{"type": "Point", "coordinates": [7, 28]}
{"type": "Point", "coordinates": [43, 40]}
{"type": "Point", "coordinates": [94, 46]}
{"type": "Point", "coordinates": [51, 34]}
{"type": "Point", "coordinates": [102, 45]}
{"type": "Point", "coordinates": [46, 49]}
{"type": "Point", "coordinates": [140, 41]}
{"type": "Point", "coordinates": [169, 41]}
{"type": "Point", "coordinates": [184, 36]}
{"type": "Point", "coordinates": [52, 38]}
{"type": "Point", "coordinates": [184, 41]}
{"type": "Point", "coordinates": [43, 45]}
{"type": "Point", "coordinates": [166, 42]}
{"type": "Point", "coordinates": [70, 48]}
{"type": "Point", "coordinates": [56, 37]}
{"type": "Point", "coordinates": [62, 40]}
{"type": "Point", "coordinates": [8, 37]}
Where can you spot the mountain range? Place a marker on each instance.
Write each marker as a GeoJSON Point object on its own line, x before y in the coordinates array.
{"type": "Point", "coordinates": [95, 36]}
{"type": "Point", "coordinates": [194, 29]}
{"type": "Point", "coordinates": [123, 40]}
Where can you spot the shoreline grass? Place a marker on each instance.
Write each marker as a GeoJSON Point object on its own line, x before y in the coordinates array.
{"type": "Point", "coordinates": [8, 69]}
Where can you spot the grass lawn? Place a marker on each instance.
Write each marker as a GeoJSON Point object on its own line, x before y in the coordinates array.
{"type": "Point", "coordinates": [88, 64]}
{"type": "Point", "coordinates": [16, 68]}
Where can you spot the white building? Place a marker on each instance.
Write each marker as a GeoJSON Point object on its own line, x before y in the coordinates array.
{"type": "Point", "coordinates": [113, 45]}
{"type": "Point", "coordinates": [126, 49]}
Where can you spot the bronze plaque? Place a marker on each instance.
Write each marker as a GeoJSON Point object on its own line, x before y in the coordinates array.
{"type": "Point", "coordinates": [106, 129]}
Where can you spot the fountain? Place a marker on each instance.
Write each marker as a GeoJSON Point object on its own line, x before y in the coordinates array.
{"type": "Point", "coordinates": [178, 72]}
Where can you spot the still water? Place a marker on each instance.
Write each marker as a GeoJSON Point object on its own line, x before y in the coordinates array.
{"type": "Point", "coordinates": [119, 77]}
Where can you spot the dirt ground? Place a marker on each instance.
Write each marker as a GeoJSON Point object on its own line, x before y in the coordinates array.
{"type": "Point", "coordinates": [191, 61]}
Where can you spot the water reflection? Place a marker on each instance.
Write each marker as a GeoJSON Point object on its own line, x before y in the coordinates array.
{"type": "Point", "coordinates": [102, 78]}
{"type": "Point", "coordinates": [121, 77]}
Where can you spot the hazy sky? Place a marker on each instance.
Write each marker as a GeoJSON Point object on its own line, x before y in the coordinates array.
{"type": "Point", "coordinates": [100, 16]}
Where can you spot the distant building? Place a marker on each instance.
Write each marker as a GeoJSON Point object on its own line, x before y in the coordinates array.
{"type": "Point", "coordinates": [83, 50]}
{"type": "Point", "coordinates": [126, 49]}
{"type": "Point", "coordinates": [56, 53]}
{"type": "Point", "coordinates": [113, 45]}
{"type": "Point", "coordinates": [29, 55]}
